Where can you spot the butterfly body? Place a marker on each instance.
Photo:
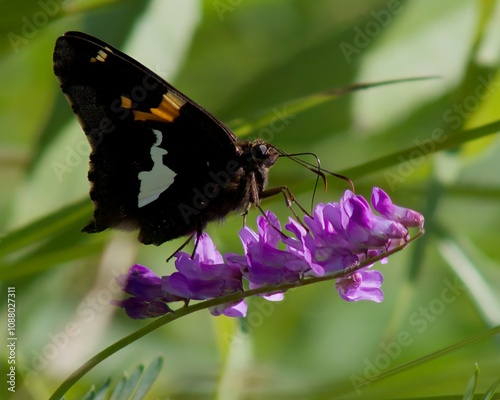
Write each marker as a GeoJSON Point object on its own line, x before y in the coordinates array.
{"type": "Point", "coordinates": [159, 163]}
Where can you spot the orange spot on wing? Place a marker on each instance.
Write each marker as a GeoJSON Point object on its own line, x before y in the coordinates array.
{"type": "Point", "coordinates": [126, 102]}
{"type": "Point", "coordinates": [145, 116]}
{"type": "Point", "coordinates": [167, 111]}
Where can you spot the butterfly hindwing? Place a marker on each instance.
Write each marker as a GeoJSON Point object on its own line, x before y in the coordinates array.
{"type": "Point", "coordinates": [155, 152]}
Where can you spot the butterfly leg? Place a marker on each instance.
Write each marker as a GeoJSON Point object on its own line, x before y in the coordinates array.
{"type": "Point", "coordinates": [199, 232]}
{"type": "Point", "coordinates": [244, 215]}
{"type": "Point", "coordinates": [184, 245]}
{"type": "Point", "coordinates": [283, 235]}
{"type": "Point", "coordinates": [254, 198]}
{"type": "Point", "coordinates": [289, 200]}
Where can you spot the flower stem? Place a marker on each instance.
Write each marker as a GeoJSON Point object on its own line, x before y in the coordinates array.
{"type": "Point", "coordinates": [183, 311]}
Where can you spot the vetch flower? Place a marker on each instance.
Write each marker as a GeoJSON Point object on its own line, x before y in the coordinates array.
{"type": "Point", "coordinates": [148, 299]}
{"type": "Point", "coordinates": [323, 252]}
{"type": "Point", "coordinates": [339, 239]}
{"type": "Point", "coordinates": [363, 284]}
{"type": "Point", "coordinates": [237, 309]}
{"type": "Point", "coordinates": [205, 276]}
{"type": "Point", "coordinates": [383, 204]}
{"type": "Point", "coordinates": [141, 282]}
{"type": "Point", "coordinates": [354, 220]}
{"type": "Point", "coordinates": [263, 263]}
{"type": "Point", "coordinates": [139, 309]}
{"type": "Point", "coordinates": [322, 226]}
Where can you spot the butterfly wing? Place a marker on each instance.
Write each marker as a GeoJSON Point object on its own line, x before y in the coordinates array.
{"type": "Point", "coordinates": [153, 148]}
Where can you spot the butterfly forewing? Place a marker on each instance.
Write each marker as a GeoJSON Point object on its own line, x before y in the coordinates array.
{"type": "Point", "coordinates": [155, 152]}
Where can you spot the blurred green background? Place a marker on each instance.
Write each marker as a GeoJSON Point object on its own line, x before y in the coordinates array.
{"type": "Point", "coordinates": [244, 59]}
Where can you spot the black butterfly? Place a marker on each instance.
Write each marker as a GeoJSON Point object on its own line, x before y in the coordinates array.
{"type": "Point", "coordinates": [160, 163]}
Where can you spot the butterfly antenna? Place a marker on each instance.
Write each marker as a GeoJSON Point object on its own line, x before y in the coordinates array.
{"type": "Point", "coordinates": [323, 171]}
{"type": "Point", "coordinates": [316, 168]}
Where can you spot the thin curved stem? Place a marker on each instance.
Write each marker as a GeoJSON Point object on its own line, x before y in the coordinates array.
{"type": "Point", "coordinates": [181, 312]}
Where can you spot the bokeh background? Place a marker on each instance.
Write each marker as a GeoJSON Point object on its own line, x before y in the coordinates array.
{"type": "Point", "coordinates": [430, 144]}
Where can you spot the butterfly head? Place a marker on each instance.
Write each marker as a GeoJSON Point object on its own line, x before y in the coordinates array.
{"type": "Point", "coordinates": [257, 153]}
{"type": "Point", "coordinates": [263, 153]}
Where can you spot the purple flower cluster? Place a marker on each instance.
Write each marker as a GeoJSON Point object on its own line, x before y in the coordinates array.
{"type": "Point", "coordinates": [337, 237]}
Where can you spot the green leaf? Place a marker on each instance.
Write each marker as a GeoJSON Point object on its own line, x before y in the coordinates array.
{"type": "Point", "coordinates": [148, 378]}
{"type": "Point", "coordinates": [441, 142]}
{"type": "Point", "coordinates": [427, 358]}
{"type": "Point", "coordinates": [491, 391]}
{"type": "Point", "coordinates": [471, 387]}
{"type": "Point", "coordinates": [134, 387]}
{"type": "Point", "coordinates": [46, 226]}
{"type": "Point", "coordinates": [126, 386]}
{"type": "Point", "coordinates": [101, 393]}
{"type": "Point", "coordinates": [290, 109]}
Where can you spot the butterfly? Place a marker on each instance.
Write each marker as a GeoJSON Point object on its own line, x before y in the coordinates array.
{"type": "Point", "coordinates": [159, 162]}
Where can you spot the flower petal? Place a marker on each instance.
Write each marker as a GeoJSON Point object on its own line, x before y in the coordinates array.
{"type": "Point", "coordinates": [206, 252]}
{"type": "Point", "coordinates": [361, 285]}
{"type": "Point", "coordinates": [140, 309]}
{"type": "Point", "coordinates": [236, 310]}
{"type": "Point", "coordinates": [383, 204]}
{"type": "Point", "coordinates": [141, 282]}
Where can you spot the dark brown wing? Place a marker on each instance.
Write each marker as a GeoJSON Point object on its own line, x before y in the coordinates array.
{"type": "Point", "coordinates": [153, 148]}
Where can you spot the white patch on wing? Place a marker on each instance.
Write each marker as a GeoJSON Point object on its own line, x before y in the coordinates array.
{"type": "Point", "coordinates": [156, 181]}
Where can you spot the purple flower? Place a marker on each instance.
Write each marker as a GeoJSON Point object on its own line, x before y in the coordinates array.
{"type": "Point", "coordinates": [238, 309]}
{"type": "Point", "coordinates": [354, 220]}
{"type": "Point", "coordinates": [335, 239]}
{"type": "Point", "coordinates": [323, 252]}
{"type": "Point", "coordinates": [363, 284]}
{"type": "Point", "coordinates": [205, 276]}
{"type": "Point", "coordinates": [383, 204]}
{"type": "Point", "coordinates": [142, 283]}
{"type": "Point", "coordinates": [139, 309]}
{"type": "Point", "coordinates": [263, 263]}
{"type": "Point", "coordinates": [322, 228]}
{"type": "Point", "coordinates": [148, 299]}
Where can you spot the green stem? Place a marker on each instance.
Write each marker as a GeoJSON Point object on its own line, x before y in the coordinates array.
{"type": "Point", "coordinates": [122, 343]}
{"type": "Point", "coordinates": [296, 106]}
{"type": "Point", "coordinates": [446, 141]}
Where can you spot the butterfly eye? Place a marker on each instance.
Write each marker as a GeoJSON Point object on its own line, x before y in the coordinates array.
{"type": "Point", "coordinates": [259, 151]}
